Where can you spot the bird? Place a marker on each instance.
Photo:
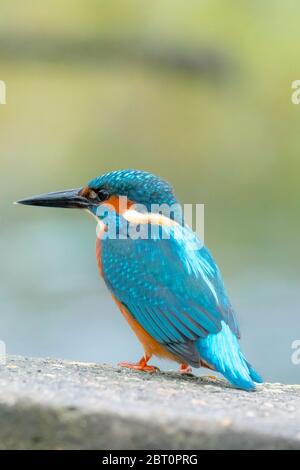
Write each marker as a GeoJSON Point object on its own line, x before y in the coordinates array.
{"type": "Point", "coordinates": [162, 277]}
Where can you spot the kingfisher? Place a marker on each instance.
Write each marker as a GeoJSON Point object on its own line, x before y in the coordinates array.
{"type": "Point", "coordinates": [161, 276]}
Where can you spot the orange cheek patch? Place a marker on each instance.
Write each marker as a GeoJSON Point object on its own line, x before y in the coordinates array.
{"type": "Point", "coordinates": [120, 205]}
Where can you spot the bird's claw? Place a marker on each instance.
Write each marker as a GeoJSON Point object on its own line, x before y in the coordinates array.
{"type": "Point", "coordinates": [139, 367]}
{"type": "Point", "coordinates": [185, 369]}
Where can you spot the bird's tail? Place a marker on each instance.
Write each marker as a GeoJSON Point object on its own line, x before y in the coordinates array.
{"type": "Point", "coordinates": [222, 351]}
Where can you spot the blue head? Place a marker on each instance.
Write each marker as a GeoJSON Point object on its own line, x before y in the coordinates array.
{"type": "Point", "coordinates": [140, 187]}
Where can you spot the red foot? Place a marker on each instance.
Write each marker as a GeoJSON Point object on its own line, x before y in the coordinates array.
{"type": "Point", "coordinates": [141, 365]}
{"type": "Point", "coordinates": [185, 369]}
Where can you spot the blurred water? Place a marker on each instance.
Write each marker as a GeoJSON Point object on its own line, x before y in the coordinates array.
{"type": "Point", "coordinates": [54, 304]}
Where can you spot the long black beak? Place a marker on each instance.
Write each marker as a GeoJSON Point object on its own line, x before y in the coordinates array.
{"type": "Point", "coordinates": [70, 199]}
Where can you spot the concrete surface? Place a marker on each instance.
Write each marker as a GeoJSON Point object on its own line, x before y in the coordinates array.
{"type": "Point", "coordinates": [53, 404]}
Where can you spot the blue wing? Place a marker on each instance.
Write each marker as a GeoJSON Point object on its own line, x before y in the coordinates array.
{"type": "Point", "coordinates": [172, 287]}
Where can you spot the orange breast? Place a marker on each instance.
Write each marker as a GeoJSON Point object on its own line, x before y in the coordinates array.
{"type": "Point", "coordinates": [98, 256]}
{"type": "Point", "coordinates": [150, 345]}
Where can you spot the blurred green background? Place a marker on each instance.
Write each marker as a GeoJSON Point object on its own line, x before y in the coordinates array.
{"type": "Point", "coordinates": [198, 92]}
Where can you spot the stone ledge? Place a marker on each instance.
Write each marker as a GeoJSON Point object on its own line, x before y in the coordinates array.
{"type": "Point", "coordinates": [53, 404]}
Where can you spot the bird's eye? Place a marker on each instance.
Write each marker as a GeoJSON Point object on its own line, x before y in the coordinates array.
{"type": "Point", "coordinates": [103, 194]}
